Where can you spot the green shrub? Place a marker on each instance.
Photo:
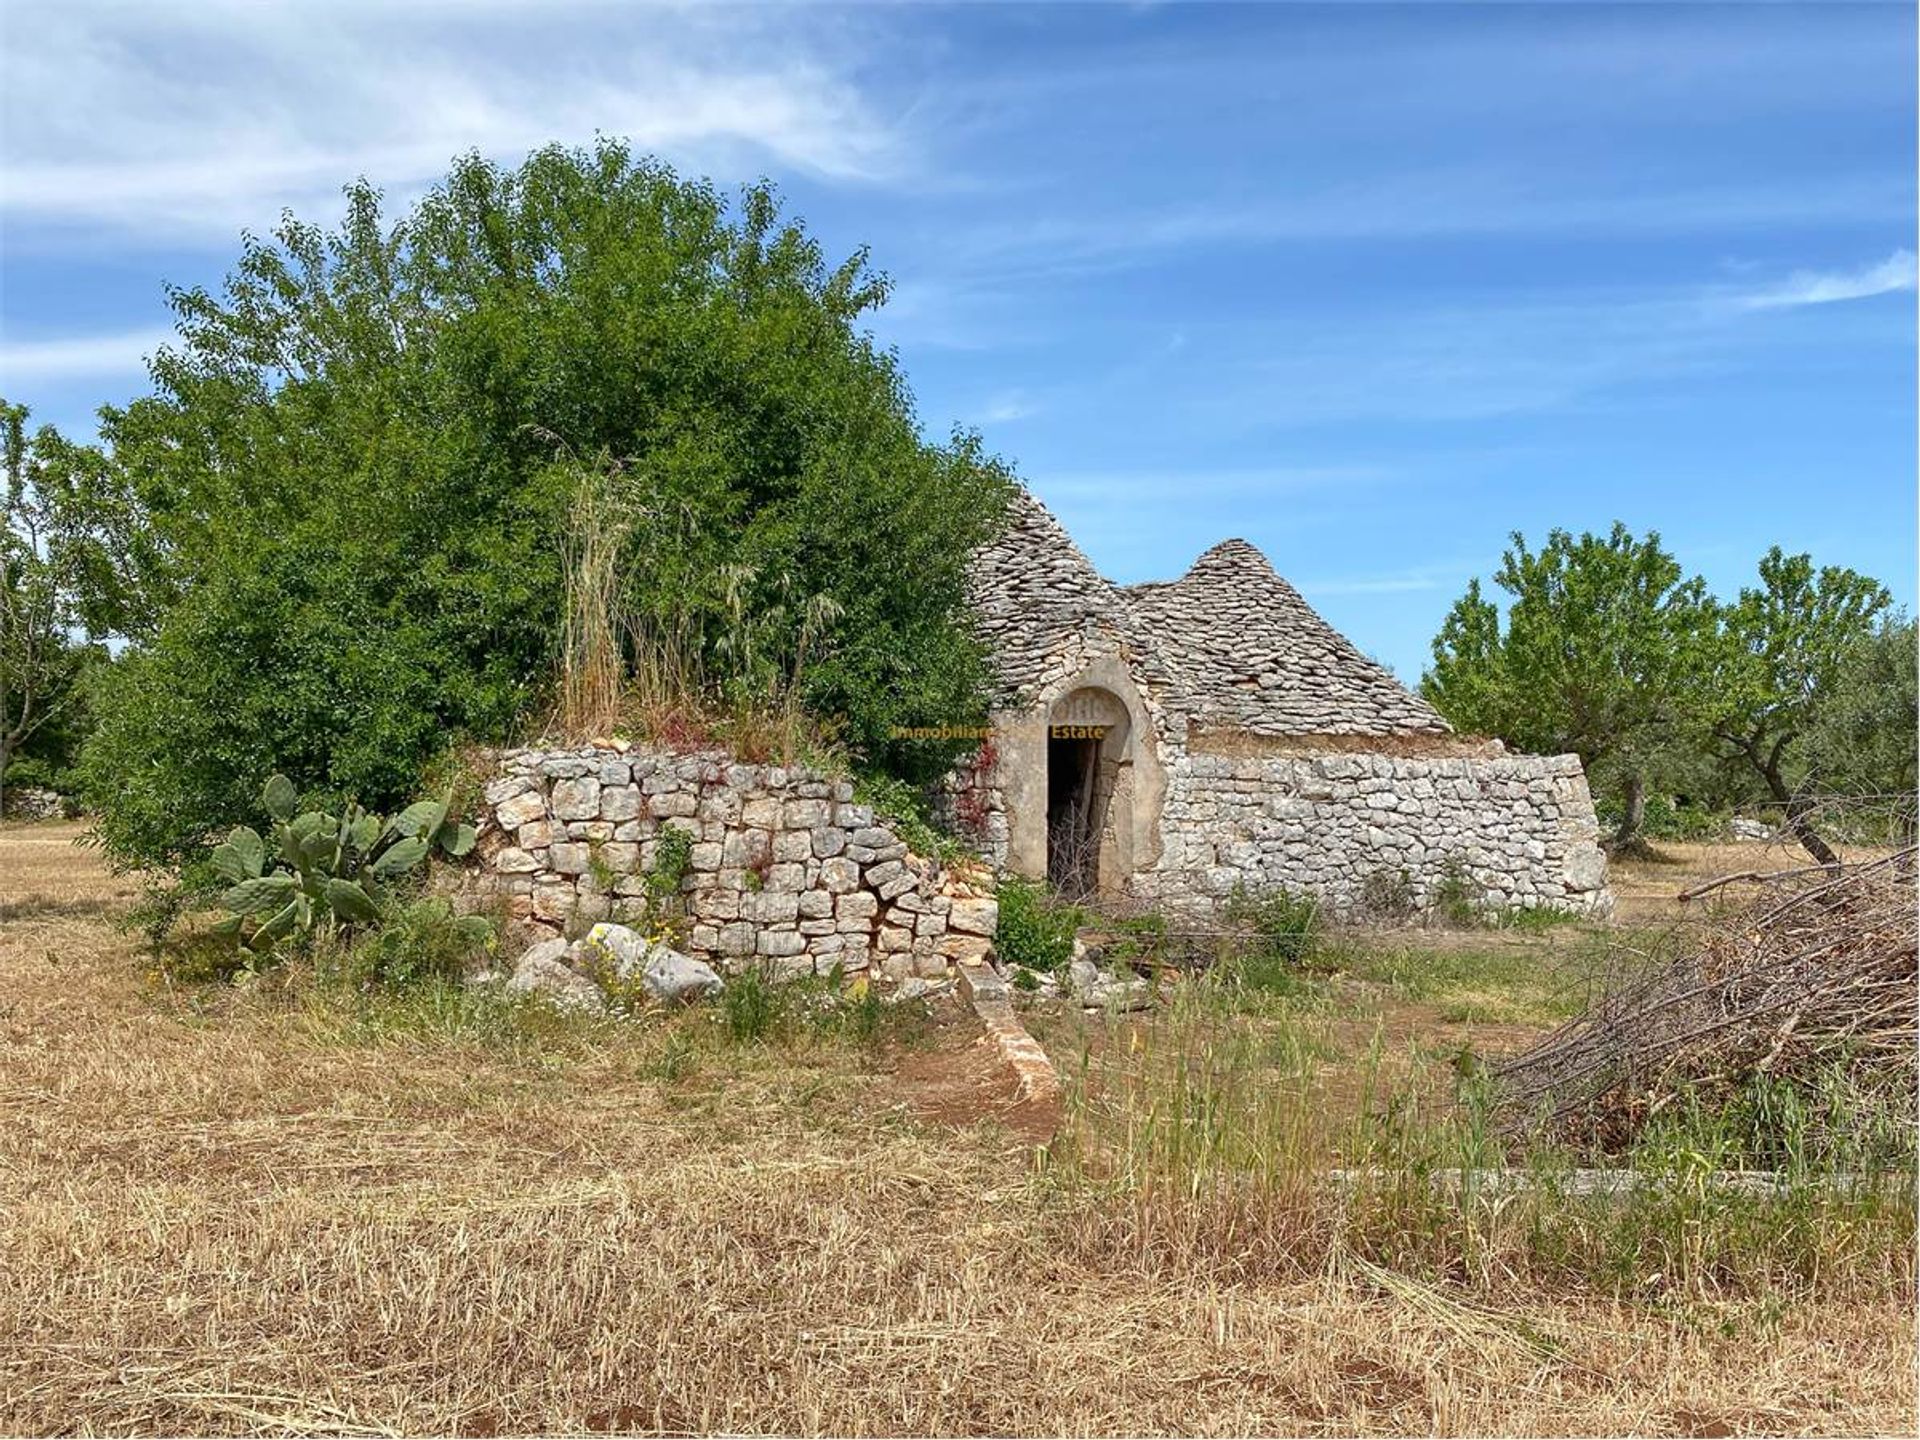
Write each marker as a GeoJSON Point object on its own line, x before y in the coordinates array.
{"type": "Point", "coordinates": [1036, 928]}
{"type": "Point", "coordinates": [419, 941]}
{"type": "Point", "coordinates": [355, 564]}
{"type": "Point", "coordinates": [30, 772]}
{"type": "Point", "coordinates": [1281, 929]}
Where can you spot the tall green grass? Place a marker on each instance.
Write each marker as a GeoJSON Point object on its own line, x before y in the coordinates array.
{"type": "Point", "coordinates": [1209, 1143]}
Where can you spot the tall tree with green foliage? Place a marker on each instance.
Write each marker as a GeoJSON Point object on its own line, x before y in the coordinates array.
{"type": "Point", "coordinates": [44, 596]}
{"type": "Point", "coordinates": [1781, 661]}
{"type": "Point", "coordinates": [1597, 656]}
{"type": "Point", "coordinates": [356, 468]}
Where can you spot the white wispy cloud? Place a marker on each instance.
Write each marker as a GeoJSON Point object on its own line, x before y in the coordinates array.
{"type": "Point", "coordinates": [73, 357]}
{"type": "Point", "coordinates": [1897, 272]}
{"type": "Point", "coordinates": [209, 118]}
{"type": "Point", "coordinates": [1401, 584]}
{"type": "Point", "coordinates": [1007, 406]}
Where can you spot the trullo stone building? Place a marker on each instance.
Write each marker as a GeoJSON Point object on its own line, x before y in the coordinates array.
{"type": "Point", "coordinates": [1175, 740]}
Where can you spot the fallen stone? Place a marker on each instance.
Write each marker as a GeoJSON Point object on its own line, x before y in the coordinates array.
{"type": "Point", "coordinates": [673, 978]}
{"type": "Point", "coordinates": [619, 946]}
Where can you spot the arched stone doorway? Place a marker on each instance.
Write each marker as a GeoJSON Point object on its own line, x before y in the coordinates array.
{"type": "Point", "coordinates": [1089, 792]}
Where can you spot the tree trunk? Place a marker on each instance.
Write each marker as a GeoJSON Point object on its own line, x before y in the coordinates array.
{"type": "Point", "coordinates": [1633, 811]}
{"type": "Point", "coordinates": [1799, 807]}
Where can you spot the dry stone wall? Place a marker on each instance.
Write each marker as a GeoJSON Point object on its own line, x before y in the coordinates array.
{"type": "Point", "coordinates": [1355, 829]}
{"type": "Point", "coordinates": [784, 867]}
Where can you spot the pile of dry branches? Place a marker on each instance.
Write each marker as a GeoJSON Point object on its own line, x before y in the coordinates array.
{"type": "Point", "coordinates": [1816, 973]}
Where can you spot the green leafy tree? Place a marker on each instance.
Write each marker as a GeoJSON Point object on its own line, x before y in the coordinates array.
{"type": "Point", "coordinates": [1784, 664]}
{"type": "Point", "coordinates": [44, 656]}
{"type": "Point", "coordinates": [1862, 741]}
{"type": "Point", "coordinates": [1598, 655]}
{"type": "Point", "coordinates": [352, 482]}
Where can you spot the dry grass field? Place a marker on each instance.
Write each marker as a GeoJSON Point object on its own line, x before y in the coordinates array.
{"type": "Point", "coordinates": [274, 1208]}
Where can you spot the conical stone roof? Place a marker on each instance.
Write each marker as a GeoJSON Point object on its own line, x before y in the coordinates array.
{"type": "Point", "coordinates": [1250, 654]}
{"type": "Point", "coordinates": [1230, 643]}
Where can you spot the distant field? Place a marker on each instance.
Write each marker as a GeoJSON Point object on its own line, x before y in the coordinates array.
{"type": "Point", "coordinates": [276, 1208]}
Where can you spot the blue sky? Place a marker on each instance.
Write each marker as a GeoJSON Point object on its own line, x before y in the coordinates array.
{"type": "Point", "coordinates": [1367, 285]}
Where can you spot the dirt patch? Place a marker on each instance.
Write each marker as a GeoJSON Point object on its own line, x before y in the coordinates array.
{"type": "Point", "coordinates": [960, 1080]}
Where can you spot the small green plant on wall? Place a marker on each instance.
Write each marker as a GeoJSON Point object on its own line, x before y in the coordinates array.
{"type": "Point", "coordinates": [324, 872]}
{"type": "Point", "coordinates": [672, 858]}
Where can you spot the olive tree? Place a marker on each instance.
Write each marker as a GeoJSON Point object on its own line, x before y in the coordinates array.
{"type": "Point", "coordinates": [1597, 654]}
{"type": "Point", "coordinates": [1782, 656]}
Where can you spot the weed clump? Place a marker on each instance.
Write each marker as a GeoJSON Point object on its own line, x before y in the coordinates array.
{"type": "Point", "coordinates": [1279, 931]}
{"type": "Point", "coordinates": [1036, 929]}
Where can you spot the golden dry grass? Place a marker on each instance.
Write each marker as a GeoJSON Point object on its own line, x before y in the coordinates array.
{"type": "Point", "coordinates": [1645, 884]}
{"type": "Point", "coordinates": [271, 1211]}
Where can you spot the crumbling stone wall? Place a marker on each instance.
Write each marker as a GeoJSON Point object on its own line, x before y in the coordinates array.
{"type": "Point", "coordinates": [1518, 829]}
{"type": "Point", "coordinates": [785, 867]}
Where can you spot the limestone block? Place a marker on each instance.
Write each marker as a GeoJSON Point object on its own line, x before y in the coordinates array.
{"type": "Point", "coordinates": [815, 903]}
{"type": "Point", "coordinates": [719, 903]}
{"type": "Point", "coordinates": [780, 942]}
{"type": "Point", "coordinates": [570, 858]}
{"type": "Point", "coordinates": [619, 858]}
{"type": "Point", "coordinates": [704, 857]}
{"type": "Point", "coordinates": [553, 900]}
{"type": "Point", "coordinates": [793, 845]}
{"type": "Point", "coordinates": [828, 840]}
{"type": "Point", "coordinates": [787, 879]}
{"type": "Point", "coordinates": [576, 799]}
{"type": "Point", "coordinates": [1585, 868]}
{"type": "Point", "coordinates": [551, 980]}
{"type": "Point", "coordinates": [515, 861]}
{"type": "Point", "coordinates": [737, 938]}
{"type": "Point", "coordinates": [622, 802]}
{"type": "Point", "coordinates": [762, 812]}
{"type": "Point", "coordinates": [673, 802]}
{"type": "Point", "coordinates": [896, 967]}
{"type": "Point", "coordinates": [965, 949]}
{"type": "Point", "coordinates": [839, 875]}
{"type": "Point", "coordinates": [506, 788]}
{"type": "Point", "coordinates": [769, 908]}
{"type": "Point", "coordinates": [535, 835]}
{"type": "Point", "coordinates": [721, 805]}
{"type": "Point", "coordinates": [746, 849]}
{"type": "Point", "coordinates": [805, 814]}
{"type": "Point", "coordinates": [522, 809]}
{"type": "Point", "coordinates": [893, 938]}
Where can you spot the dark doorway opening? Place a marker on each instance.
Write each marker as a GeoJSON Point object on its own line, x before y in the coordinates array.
{"type": "Point", "coordinates": [1073, 816]}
